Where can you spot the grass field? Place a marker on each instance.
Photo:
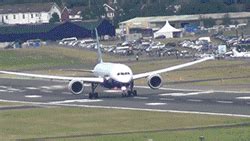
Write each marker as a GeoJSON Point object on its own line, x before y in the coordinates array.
{"type": "Point", "coordinates": [9, 104]}
{"type": "Point", "coordinates": [221, 134]}
{"type": "Point", "coordinates": [66, 123]}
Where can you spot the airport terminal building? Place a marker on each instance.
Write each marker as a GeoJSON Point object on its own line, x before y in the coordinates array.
{"type": "Point", "coordinates": [179, 21]}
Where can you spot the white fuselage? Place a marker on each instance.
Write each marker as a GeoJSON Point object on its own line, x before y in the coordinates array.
{"type": "Point", "coordinates": [117, 72]}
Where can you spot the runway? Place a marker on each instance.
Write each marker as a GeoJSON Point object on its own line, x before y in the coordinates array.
{"type": "Point", "coordinates": [164, 100]}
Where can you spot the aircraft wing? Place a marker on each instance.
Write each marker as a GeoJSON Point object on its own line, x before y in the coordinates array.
{"type": "Point", "coordinates": [143, 75]}
{"type": "Point", "coordinates": [51, 77]}
{"type": "Point", "coordinates": [78, 70]}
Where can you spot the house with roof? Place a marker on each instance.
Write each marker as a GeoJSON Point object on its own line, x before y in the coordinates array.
{"type": "Point", "coordinates": [111, 9]}
{"type": "Point", "coordinates": [29, 13]}
{"type": "Point", "coordinates": [110, 12]}
{"type": "Point", "coordinates": [72, 14]}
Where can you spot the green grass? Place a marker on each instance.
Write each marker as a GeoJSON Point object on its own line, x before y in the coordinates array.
{"type": "Point", "coordinates": [8, 104]}
{"type": "Point", "coordinates": [223, 134]}
{"type": "Point", "coordinates": [33, 58]}
{"type": "Point", "coordinates": [54, 122]}
{"type": "Point", "coordinates": [225, 72]}
{"type": "Point", "coordinates": [46, 57]}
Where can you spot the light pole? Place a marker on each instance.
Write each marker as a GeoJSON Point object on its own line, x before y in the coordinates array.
{"type": "Point", "coordinates": [202, 138]}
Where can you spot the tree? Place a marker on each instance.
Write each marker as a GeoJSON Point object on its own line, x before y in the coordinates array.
{"type": "Point", "coordinates": [226, 20]}
{"type": "Point", "coordinates": [208, 22]}
{"type": "Point", "coordinates": [54, 18]}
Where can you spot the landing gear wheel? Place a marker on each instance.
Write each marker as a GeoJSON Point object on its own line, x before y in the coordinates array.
{"type": "Point", "coordinates": [124, 94]}
{"type": "Point", "coordinates": [91, 96]}
{"type": "Point", "coordinates": [130, 93]}
{"type": "Point", "coordinates": [96, 95]}
{"type": "Point", "coordinates": [134, 93]}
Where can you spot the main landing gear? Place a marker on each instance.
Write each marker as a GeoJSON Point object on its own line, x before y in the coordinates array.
{"type": "Point", "coordinates": [93, 94]}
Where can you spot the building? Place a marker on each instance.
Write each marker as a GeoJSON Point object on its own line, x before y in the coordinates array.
{"type": "Point", "coordinates": [179, 21]}
{"type": "Point", "coordinates": [73, 14]}
{"type": "Point", "coordinates": [30, 13]}
{"type": "Point", "coordinates": [56, 31]}
{"type": "Point", "coordinates": [112, 10]}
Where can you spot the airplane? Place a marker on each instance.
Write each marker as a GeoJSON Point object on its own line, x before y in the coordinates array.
{"type": "Point", "coordinates": [111, 76]}
{"type": "Point", "coordinates": [235, 53]}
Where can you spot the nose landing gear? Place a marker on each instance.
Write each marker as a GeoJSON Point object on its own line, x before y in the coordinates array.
{"type": "Point", "coordinates": [130, 92]}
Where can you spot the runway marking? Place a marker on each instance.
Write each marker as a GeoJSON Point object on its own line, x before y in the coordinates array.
{"type": "Point", "coordinates": [171, 94]}
{"type": "Point", "coordinates": [143, 98]}
{"type": "Point", "coordinates": [67, 93]}
{"type": "Point", "coordinates": [155, 104]}
{"type": "Point", "coordinates": [32, 88]}
{"type": "Point", "coordinates": [244, 98]}
{"type": "Point", "coordinates": [132, 109]}
{"type": "Point", "coordinates": [4, 87]}
{"type": "Point", "coordinates": [167, 99]}
{"type": "Point", "coordinates": [188, 90]}
{"type": "Point", "coordinates": [171, 89]}
{"type": "Point", "coordinates": [45, 87]}
{"type": "Point", "coordinates": [76, 100]}
{"type": "Point", "coordinates": [46, 91]}
{"type": "Point", "coordinates": [225, 102]}
{"type": "Point", "coordinates": [3, 90]}
{"type": "Point", "coordinates": [187, 94]}
{"type": "Point", "coordinates": [33, 96]}
{"type": "Point", "coordinates": [58, 87]}
{"type": "Point", "coordinates": [53, 87]}
{"type": "Point", "coordinates": [194, 100]}
{"type": "Point", "coordinates": [14, 89]}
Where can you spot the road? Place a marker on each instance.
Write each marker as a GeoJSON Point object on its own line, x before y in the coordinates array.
{"type": "Point", "coordinates": [210, 102]}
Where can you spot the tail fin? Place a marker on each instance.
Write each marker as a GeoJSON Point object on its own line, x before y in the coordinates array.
{"type": "Point", "coordinates": [99, 55]}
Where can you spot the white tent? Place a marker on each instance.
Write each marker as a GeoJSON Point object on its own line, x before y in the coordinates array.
{"type": "Point", "coordinates": [168, 31]}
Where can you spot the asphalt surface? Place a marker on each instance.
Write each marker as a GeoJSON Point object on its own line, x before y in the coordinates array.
{"type": "Point", "coordinates": [164, 100]}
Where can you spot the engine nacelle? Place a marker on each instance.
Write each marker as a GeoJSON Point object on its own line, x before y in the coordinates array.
{"type": "Point", "coordinates": [76, 87]}
{"type": "Point", "coordinates": [154, 81]}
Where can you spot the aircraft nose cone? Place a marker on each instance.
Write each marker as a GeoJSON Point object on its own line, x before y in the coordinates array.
{"type": "Point", "coordinates": [125, 79]}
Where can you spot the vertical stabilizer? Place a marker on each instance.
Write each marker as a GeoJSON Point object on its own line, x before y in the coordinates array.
{"type": "Point", "coordinates": [99, 55]}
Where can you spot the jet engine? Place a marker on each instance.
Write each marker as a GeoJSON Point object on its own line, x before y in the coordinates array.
{"type": "Point", "coordinates": [154, 81]}
{"type": "Point", "coordinates": [76, 87]}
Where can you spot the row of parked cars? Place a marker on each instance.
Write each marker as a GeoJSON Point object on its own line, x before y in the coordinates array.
{"type": "Point", "coordinates": [138, 47]}
{"type": "Point", "coordinates": [74, 42]}
{"type": "Point", "coordinates": [233, 40]}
